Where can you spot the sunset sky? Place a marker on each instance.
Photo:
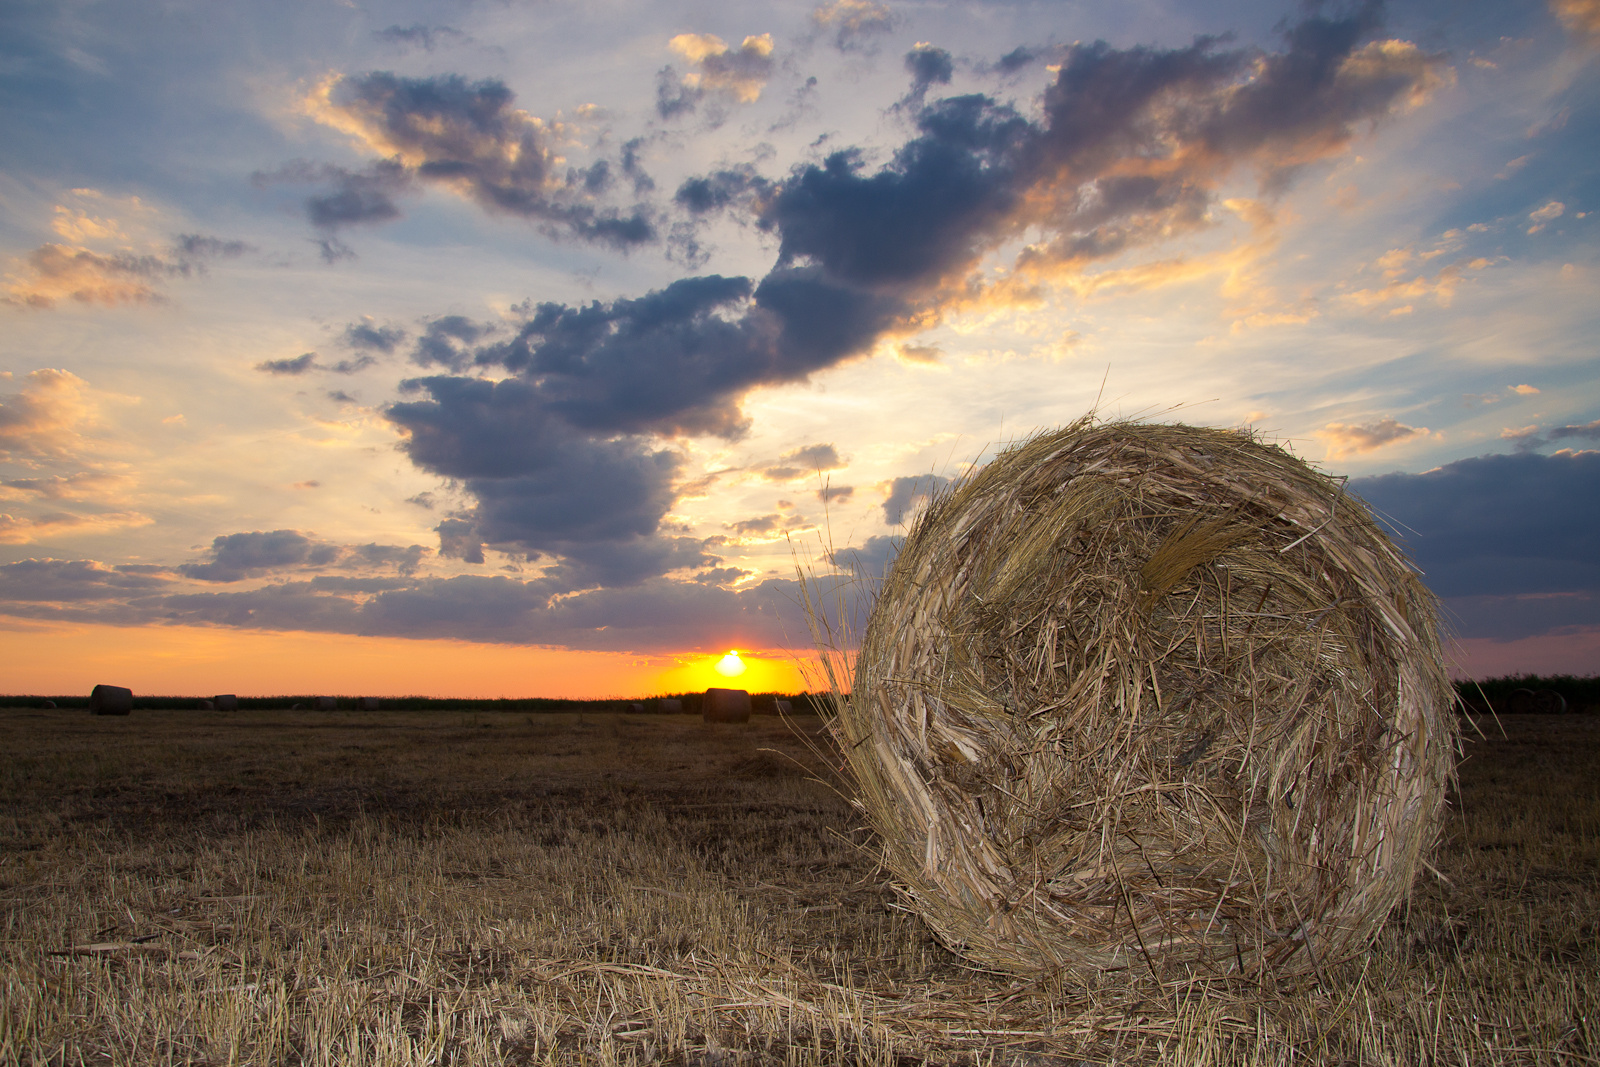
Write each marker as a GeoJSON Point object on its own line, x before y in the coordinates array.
{"type": "Point", "coordinates": [523, 347]}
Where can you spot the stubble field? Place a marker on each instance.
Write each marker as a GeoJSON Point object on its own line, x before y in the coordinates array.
{"type": "Point", "coordinates": [455, 888]}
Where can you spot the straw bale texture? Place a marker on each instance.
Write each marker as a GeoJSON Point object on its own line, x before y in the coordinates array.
{"type": "Point", "coordinates": [1154, 699]}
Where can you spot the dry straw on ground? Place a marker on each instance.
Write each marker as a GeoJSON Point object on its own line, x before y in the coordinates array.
{"type": "Point", "coordinates": [1154, 699]}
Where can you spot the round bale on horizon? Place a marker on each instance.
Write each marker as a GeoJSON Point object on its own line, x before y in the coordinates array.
{"type": "Point", "coordinates": [110, 700]}
{"type": "Point", "coordinates": [726, 705]}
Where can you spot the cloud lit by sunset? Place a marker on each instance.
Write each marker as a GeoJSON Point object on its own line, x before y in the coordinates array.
{"type": "Point", "coordinates": [561, 337]}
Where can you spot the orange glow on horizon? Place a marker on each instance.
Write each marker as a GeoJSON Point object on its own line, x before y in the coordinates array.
{"type": "Point", "coordinates": [48, 659]}
{"type": "Point", "coordinates": [773, 672]}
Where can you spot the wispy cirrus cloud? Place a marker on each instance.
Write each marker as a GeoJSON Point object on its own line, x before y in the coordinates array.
{"type": "Point", "coordinates": [53, 273]}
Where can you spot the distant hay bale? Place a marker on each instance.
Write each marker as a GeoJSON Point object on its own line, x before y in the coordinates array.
{"type": "Point", "coordinates": [326, 704]}
{"type": "Point", "coordinates": [784, 707]}
{"type": "Point", "coordinates": [1550, 702]}
{"type": "Point", "coordinates": [1156, 699]}
{"type": "Point", "coordinates": [671, 706]}
{"type": "Point", "coordinates": [636, 707]}
{"type": "Point", "coordinates": [225, 702]}
{"type": "Point", "coordinates": [368, 703]}
{"type": "Point", "coordinates": [208, 705]}
{"type": "Point", "coordinates": [48, 705]}
{"type": "Point", "coordinates": [110, 700]}
{"type": "Point", "coordinates": [726, 705]}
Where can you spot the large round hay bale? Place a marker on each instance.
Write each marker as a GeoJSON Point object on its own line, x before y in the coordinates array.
{"type": "Point", "coordinates": [1549, 702]}
{"type": "Point", "coordinates": [726, 705]}
{"type": "Point", "coordinates": [1156, 699]}
{"type": "Point", "coordinates": [110, 700]}
{"type": "Point", "coordinates": [225, 702]}
{"type": "Point", "coordinates": [671, 706]}
{"type": "Point", "coordinates": [326, 704]}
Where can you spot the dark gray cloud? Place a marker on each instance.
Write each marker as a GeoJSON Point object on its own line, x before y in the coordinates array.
{"type": "Point", "coordinates": [418, 35]}
{"type": "Point", "coordinates": [365, 337]}
{"type": "Point", "coordinates": [74, 580]}
{"type": "Point", "coordinates": [351, 366]}
{"type": "Point", "coordinates": [1016, 59]}
{"type": "Point", "coordinates": [928, 66]}
{"type": "Point", "coordinates": [763, 524]}
{"type": "Point", "coordinates": [307, 362]}
{"type": "Point", "coordinates": [248, 555]}
{"type": "Point", "coordinates": [289, 366]}
{"type": "Point", "coordinates": [355, 197]}
{"type": "Point", "coordinates": [722, 189]}
{"type": "Point", "coordinates": [658, 615]}
{"type": "Point", "coordinates": [360, 196]}
{"type": "Point", "coordinates": [236, 557]}
{"type": "Point", "coordinates": [470, 137]}
{"type": "Point", "coordinates": [196, 248]}
{"type": "Point", "coordinates": [906, 493]}
{"type": "Point", "coordinates": [541, 486]}
{"type": "Point", "coordinates": [445, 340]}
{"type": "Point", "coordinates": [871, 560]}
{"type": "Point", "coordinates": [1498, 524]}
{"type": "Point", "coordinates": [1520, 530]}
{"type": "Point", "coordinates": [1132, 147]}
{"type": "Point", "coordinates": [654, 615]}
{"type": "Point", "coordinates": [829, 493]}
{"type": "Point", "coordinates": [673, 97]}
{"type": "Point", "coordinates": [810, 459]}
{"type": "Point", "coordinates": [1533, 437]}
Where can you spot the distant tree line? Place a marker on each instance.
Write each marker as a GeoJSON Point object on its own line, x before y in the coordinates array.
{"type": "Point", "coordinates": [1505, 695]}
{"type": "Point", "coordinates": [799, 703]}
{"type": "Point", "coordinates": [1510, 694]}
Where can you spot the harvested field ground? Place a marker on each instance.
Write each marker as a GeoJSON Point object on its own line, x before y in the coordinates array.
{"type": "Point", "coordinates": [398, 888]}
